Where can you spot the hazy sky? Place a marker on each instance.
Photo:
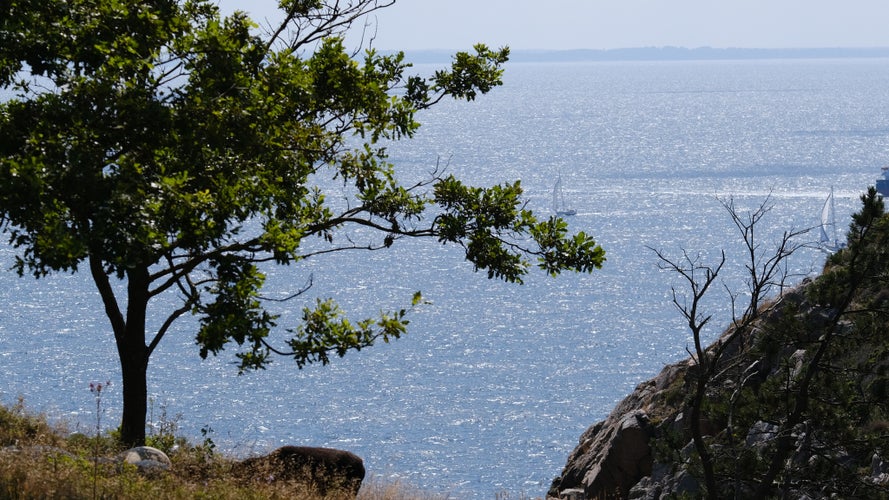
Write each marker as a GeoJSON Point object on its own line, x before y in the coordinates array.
{"type": "Point", "coordinates": [607, 24]}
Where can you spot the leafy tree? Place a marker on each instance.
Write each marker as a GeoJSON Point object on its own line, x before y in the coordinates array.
{"type": "Point", "coordinates": [825, 378]}
{"type": "Point", "coordinates": [171, 150]}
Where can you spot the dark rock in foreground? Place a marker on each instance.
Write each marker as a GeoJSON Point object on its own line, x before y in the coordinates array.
{"type": "Point", "coordinates": [320, 469]}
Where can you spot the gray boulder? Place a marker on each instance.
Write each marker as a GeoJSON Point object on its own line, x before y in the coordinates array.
{"type": "Point", "coordinates": [149, 461]}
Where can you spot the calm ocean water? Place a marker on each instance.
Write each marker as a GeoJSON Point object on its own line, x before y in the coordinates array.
{"type": "Point", "coordinates": [495, 383]}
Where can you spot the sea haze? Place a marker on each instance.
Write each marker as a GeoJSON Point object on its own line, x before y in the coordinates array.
{"type": "Point", "coordinates": [495, 382]}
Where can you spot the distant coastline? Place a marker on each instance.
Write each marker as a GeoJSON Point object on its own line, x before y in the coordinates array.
{"type": "Point", "coordinates": [662, 54]}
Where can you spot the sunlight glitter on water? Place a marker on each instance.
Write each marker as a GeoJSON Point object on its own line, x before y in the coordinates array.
{"type": "Point", "coordinates": [494, 383]}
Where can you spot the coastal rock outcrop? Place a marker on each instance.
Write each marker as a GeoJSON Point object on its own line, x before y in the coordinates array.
{"type": "Point", "coordinates": [614, 454]}
{"type": "Point", "coordinates": [772, 405]}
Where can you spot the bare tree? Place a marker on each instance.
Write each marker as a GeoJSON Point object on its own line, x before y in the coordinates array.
{"type": "Point", "coordinates": [767, 273]}
{"type": "Point", "coordinates": [699, 277]}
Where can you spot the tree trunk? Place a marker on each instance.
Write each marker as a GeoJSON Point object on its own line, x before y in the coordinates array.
{"type": "Point", "coordinates": [129, 335]}
{"type": "Point", "coordinates": [704, 377]}
{"type": "Point", "coordinates": [134, 374]}
{"type": "Point", "coordinates": [133, 354]}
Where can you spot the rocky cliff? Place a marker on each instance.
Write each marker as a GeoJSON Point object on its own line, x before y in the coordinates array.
{"type": "Point", "coordinates": [796, 405]}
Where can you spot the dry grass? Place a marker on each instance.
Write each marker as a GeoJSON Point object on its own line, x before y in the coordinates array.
{"type": "Point", "coordinates": [38, 460]}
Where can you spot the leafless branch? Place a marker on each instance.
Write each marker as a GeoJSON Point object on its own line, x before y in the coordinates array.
{"type": "Point", "coordinates": [331, 19]}
{"type": "Point", "coordinates": [305, 288]}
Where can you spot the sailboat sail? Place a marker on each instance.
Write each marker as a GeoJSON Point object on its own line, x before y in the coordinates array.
{"type": "Point", "coordinates": [827, 219]}
{"type": "Point", "coordinates": [557, 194]}
{"type": "Point", "coordinates": [559, 205]}
{"type": "Point", "coordinates": [828, 238]}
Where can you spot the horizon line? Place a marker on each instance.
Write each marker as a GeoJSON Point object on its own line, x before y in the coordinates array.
{"type": "Point", "coordinates": [666, 52]}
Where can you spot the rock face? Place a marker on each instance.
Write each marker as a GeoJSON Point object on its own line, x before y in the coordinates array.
{"type": "Point", "coordinates": [322, 469]}
{"type": "Point", "coordinates": [614, 455]}
{"type": "Point", "coordinates": [644, 448]}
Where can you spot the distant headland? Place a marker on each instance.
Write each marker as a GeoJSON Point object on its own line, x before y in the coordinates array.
{"type": "Point", "coordinates": [662, 54]}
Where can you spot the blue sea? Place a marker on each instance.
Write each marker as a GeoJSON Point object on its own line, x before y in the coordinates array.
{"type": "Point", "coordinates": [492, 387]}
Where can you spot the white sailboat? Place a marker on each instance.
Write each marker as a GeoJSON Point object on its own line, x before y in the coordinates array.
{"type": "Point", "coordinates": [559, 204]}
{"type": "Point", "coordinates": [828, 240]}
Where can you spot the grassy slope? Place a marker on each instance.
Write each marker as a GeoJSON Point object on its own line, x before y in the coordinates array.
{"type": "Point", "coordinates": [38, 460]}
